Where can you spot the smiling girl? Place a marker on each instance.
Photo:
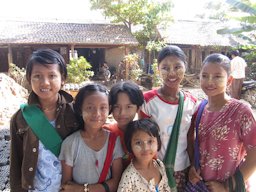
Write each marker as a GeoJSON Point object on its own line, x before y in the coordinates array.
{"type": "Point", "coordinates": [227, 132]}
{"type": "Point", "coordinates": [162, 105]}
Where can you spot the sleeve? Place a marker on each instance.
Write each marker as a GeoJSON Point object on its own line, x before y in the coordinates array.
{"type": "Point", "coordinates": [16, 156]}
{"type": "Point", "coordinates": [248, 127]}
{"type": "Point", "coordinates": [118, 150]}
{"type": "Point", "coordinates": [67, 152]}
{"type": "Point", "coordinates": [143, 113]}
{"type": "Point", "coordinates": [125, 184]}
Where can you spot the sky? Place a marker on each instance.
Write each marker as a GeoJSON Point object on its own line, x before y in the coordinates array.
{"type": "Point", "coordinates": [77, 10]}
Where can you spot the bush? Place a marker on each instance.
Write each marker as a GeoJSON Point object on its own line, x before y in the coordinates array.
{"type": "Point", "coordinates": [79, 70]}
{"type": "Point", "coordinates": [132, 62]}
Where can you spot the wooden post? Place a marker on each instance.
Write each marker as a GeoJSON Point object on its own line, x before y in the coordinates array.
{"type": "Point", "coordinates": [10, 58]}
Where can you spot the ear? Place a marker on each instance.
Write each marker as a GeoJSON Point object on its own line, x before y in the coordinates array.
{"type": "Point", "coordinates": [230, 79]}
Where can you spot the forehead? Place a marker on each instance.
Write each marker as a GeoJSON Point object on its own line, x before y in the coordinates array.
{"type": "Point", "coordinates": [96, 97]}
{"type": "Point", "coordinates": [171, 60]}
{"type": "Point", "coordinates": [37, 67]}
{"type": "Point", "coordinates": [213, 68]}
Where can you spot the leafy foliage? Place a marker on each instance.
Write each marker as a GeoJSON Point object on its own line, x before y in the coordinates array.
{"type": "Point", "coordinates": [132, 64]}
{"type": "Point", "coordinates": [79, 70]}
{"type": "Point", "coordinates": [143, 14]}
{"type": "Point", "coordinates": [157, 80]}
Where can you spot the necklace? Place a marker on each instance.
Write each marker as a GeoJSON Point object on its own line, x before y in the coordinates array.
{"type": "Point", "coordinates": [48, 109]}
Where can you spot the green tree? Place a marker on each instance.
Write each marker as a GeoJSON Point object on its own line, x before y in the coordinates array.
{"type": "Point", "coordinates": [246, 15]}
{"type": "Point", "coordinates": [144, 15]}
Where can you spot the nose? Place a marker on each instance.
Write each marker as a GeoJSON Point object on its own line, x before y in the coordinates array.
{"type": "Point", "coordinates": [44, 80]}
{"type": "Point", "coordinates": [146, 145]}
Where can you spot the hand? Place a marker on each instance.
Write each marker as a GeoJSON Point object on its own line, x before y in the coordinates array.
{"type": "Point", "coordinates": [71, 187]}
{"type": "Point", "coordinates": [215, 186]}
{"type": "Point", "coordinates": [193, 175]}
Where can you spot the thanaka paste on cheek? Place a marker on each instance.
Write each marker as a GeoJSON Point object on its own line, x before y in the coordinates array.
{"type": "Point", "coordinates": [138, 148]}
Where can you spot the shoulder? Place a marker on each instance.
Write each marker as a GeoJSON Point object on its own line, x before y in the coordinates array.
{"type": "Point", "coordinates": [190, 97]}
{"type": "Point", "coordinates": [72, 138]}
{"type": "Point", "coordinates": [150, 94]}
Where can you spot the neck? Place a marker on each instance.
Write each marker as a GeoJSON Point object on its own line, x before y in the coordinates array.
{"type": "Point", "coordinates": [142, 164]}
{"type": "Point", "coordinates": [49, 104]}
{"type": "Point", "coordinates": [215, 103]}
{"type": "Point", "coordinates": [169, 93]}
{"type": "Point", "coordinates": [92, 133]}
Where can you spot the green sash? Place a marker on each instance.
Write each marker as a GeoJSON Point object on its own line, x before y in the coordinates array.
{"type": "Point", "coordinates": [170, 154]}
{"type": "Point", "coordinates": [42, 128]}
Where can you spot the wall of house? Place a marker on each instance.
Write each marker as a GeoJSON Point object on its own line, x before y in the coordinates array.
{"type": "Point", "coordinates": [113, 56]}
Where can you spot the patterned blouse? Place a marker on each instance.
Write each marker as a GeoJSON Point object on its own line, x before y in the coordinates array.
{"type": "Point", "coordinates": [224, 138]}
{"type": "Point", "coordinates": [133, 181]}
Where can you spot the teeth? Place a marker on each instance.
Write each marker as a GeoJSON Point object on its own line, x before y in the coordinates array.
{"type": "Point", "coordinates": [172, 79]}
{"type": "Point", "coordinates": [45, 90]}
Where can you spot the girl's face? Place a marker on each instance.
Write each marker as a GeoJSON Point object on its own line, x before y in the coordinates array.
{"type": "Point", "coordinates": [124, 110]}
{"type": "Point", "coordinates": [214, 79]}
{"type": "Point", "coordinates": [172, 70]}
{"type": "Point", "coordinates": [46, 81]}
{"type": "Point", "coordinates": [95, 110]}
{"type": "Point", "coordinates": [144, 146]}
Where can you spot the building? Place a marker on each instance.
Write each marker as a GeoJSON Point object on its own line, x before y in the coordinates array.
{"type": "Point", "coordinates": [96, 42]}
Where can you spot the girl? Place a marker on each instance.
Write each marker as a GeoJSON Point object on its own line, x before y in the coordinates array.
{"type": "Point", "coordinates": [162, 105]}
{"type": "Point", "coordinates": [34, 164]}
{"type": "Point", "coordinates": [84, 153]}
{"type": "Point", "coordinates": [144, 173]}
{"type": "Point", "coordinates": [126, 99]}
{"type": "Point", "coordinates": [227, 132]}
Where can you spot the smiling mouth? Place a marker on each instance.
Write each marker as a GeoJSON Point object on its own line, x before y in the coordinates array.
{"type": "Point", "coordinates": [172, 80]}
{"type": "Point", "coordinates": [44, 90]}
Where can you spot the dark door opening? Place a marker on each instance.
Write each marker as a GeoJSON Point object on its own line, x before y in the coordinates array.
{"type": "Point", "coordinates": [95, 56]}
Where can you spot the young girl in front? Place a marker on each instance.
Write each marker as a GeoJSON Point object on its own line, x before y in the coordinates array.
{"type": "Point", "coordinates": [85, 152]}
{"type": "Point", "coordinates": [125, 99]}
{"type": "Point", "coordinates": [145, 173]}
{"type": "Point", "coordinates": [227, 132]}
{"type": "Point", "coordinates": [162, 105]}
{"type": "Point", "coordinates": [38, 129]}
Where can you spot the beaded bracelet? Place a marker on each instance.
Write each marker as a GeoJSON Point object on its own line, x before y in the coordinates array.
{"type": "Point", "coordinates": [106, 187]}
{"type": "Point", "coordinates": [86, 188]}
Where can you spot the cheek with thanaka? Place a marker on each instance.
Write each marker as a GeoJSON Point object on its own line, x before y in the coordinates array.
{"type": "Point", "coordinates": [181, 73]}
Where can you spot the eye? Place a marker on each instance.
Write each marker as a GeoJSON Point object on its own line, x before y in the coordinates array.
{"type": "Point", "coordinates": [52, 76]}
{"type": "Point", "coordinates": [178, 67]}
{"type": "Point", "coordinates": [151, 141]}
{"type": "Point", "coordinates": [138, 143]}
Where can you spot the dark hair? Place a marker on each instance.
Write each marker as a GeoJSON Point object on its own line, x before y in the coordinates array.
{"type": "Point", "coordinates": [146, 125]}
{"type": "Point", "coordinates": [46, 57]}
{"type": "Point", "coordinates": [82, 94]}
{"type": "Point", "coordinates": [235, 52]}
{"type": "Point", "coordinates": [131, 89]}
{"type": "Point", "coordinates": [172, 50]}
{"type": "Point", "coordinates": [219, 59]}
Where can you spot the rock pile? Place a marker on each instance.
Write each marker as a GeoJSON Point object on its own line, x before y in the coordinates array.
{"type": "Point", "coordinates": [11, 95]}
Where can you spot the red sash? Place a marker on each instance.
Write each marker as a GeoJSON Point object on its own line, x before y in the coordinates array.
{"type": "Point", "coordinates": [111, 146]}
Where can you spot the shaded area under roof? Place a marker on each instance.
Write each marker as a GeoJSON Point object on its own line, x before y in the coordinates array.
{"type": "Point", "coordinates": [20, 32]}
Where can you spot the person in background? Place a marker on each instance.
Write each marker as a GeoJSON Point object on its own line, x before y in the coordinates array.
{"type": "Point", "coordinates": [144, 173]}
{"type": "Point", "coordinates": [238, 66]}
{"type": "Point", "coordinates": [162, 104]}
{"type": "Point", "coordinates": [125, 99]}
{"type": "Point", "coordinates": [33, 164]}
{"type": "Point", "coordinates": [85, 154]}
{"type": "Point", "coordinates": [227, 132]}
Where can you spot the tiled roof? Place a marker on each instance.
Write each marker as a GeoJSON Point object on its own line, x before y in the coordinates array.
{"type": "Point", "coordinates": [203, 33]}
{"type": "Point", "coordinates": [20, 32]}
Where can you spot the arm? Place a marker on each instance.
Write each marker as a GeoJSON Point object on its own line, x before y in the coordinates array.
{"type": "Point", "coordinates": [16, 156]}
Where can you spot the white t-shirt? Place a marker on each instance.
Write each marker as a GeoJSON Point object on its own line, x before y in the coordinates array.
{"type": "Point", "coordinates": [164, 113]}
{"type": "Point", "coordinates": [87, 164]}
{"type": "Point", "coordinates": [238, 65]}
